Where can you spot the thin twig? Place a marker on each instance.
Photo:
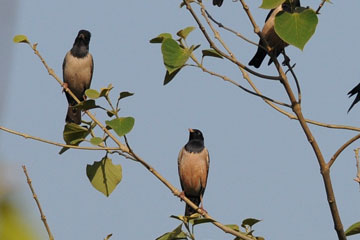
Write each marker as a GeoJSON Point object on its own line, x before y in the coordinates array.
{"type": "Point", "coordinates": [43, 217]}
{"type": "Point", "coordinates": [357, 179]}
{"type": "Point", "coordinates": [227, 79]}
{"type": "Point", "coordinates": [27, 136]}
{"type": "Point", "coordinates": [220, 25]}
{"type": "Point", "coordinates": [342, 148]}
{"type": "Point", "coordinates": [291, 69]}
{"type": "Point", "coordinates": [320, 6]}
{"type": "Point", "coordinates": [108, 236]}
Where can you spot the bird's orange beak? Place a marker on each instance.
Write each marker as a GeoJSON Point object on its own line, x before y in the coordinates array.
{"type": "Point", "coordinates": [191, 130]}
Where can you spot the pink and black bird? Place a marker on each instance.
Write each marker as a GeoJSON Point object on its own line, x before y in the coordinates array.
{"type": "Point", "coordinates": [276, 44]}
{"type": "Point", "coordinates": [78, 67]}
{"type": "Point", "coordinates": [193, 166]}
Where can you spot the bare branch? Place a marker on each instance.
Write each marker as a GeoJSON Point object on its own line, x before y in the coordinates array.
{"type": "Point", "coordinates": [342, 148]}
{"type": "Point", "coordinates": [320, 6]}
{"type": "Point", "coordinates": [357, 179]}
{"type": "Point", "coordinates": [220, 25]}
{"type": "Point", "coordinates": [55, 143]}
{"type": "Point", "coordinates": [43, 217]}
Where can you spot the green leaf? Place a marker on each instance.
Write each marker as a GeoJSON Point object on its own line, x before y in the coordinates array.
{"type": "Point", "coordinates": [270, 4]}
{"type": "Point", "coordinates": [73, 134]}
{"type": "Point", "coordinates": [353, 229]}
{"type": "Point", "coordinates": [96, 141]}
{"type": "Point", "coordinates": [92, 93]}
{"type": "Point", "coordinates": [87, 105]}
{"type": "Point", "coordinates": [169, 77]}
{"type": "Point", "coordinates": [20, 39]}
{"type": "Point", "coordinates": [104, 175]}
{"type": "Point", "coordinates": [160, 38]}
{"type": "Point", "coordinates": [185, 32]}
{"type": "Point", "coordinates": [180, 218]}
{"type": "Point", "coordinates": [233, 227]}
{"type": "Point", "coordinates": [111, 113]}
{"type": "Point", "coordinates": [174, 56]}
{"type": "Point", "coordinates": [177, 233]}
{"type": "Point", "coordinates": [211, 53]}
{"type": "Point", "coordinates": [249, 222]}
{"type": "Point", "coordinates": [105, 91]}
{"type": "Point", "coordinates": [125, 94]}
{"type": "Point", "coordinates": [296, 28]}
{"type": "Point", "coordinates": [202, 220]}
{"type": "Point", "coordinates": [121, 125]}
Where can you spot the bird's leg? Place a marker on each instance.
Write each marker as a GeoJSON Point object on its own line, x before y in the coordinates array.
{"type": "Point", "coordinates": [286, 61]}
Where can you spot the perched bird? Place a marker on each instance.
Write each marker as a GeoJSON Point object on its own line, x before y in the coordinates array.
{"type": "Point", "coordinates": [277, 45]}
{"type": "Point", "coordinates": [193, 166]}
{"type": "Point", "coordinates": [78, 69]}
{"type": "Point", "coordinates": [355, 90]}
{"type": "Point", "coordinates": [218, 2]}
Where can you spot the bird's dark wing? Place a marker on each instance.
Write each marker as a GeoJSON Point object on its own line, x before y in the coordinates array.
{"type": "Point", "coordinates": [355, 90]}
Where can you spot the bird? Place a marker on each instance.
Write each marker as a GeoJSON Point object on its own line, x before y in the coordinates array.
{"type": "Point", "coordinates": [355, 90]}
{"type": "Point", "coordinates": [276, 44]}
{"type": "Point", "coordinates": [218, 2]}
{"type": "Point", "coordinates": [193, 167]}
{"type": "Point", "coordinates": [78, 67]}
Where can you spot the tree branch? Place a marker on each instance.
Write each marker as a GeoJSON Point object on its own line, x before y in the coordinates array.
{"type": "Point", "coordinates": [296, 107]}
{"type": "Point", "coordinates": [342, 148]}
{"type": "Point", "coordinates": [43, 217]}
{"type": "Point", "coordinates": [54, 143]}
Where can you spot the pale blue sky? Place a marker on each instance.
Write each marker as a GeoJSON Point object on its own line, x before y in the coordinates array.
{"type": "Point", "coordinates": [261, 163]}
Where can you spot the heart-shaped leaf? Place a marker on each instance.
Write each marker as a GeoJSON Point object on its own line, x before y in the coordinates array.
{"type": "Point", "coordinates": [92, 93]}
{"type": "Point", "coordinates": [96, 141]}
{"type": "Point", "coordinates": [104, 175]}
{"type": "Point", "coordinates": [174, 56]}
{"type": "Point", "coordinates": [169, 77]}
{"type": "Point", "coordinates": [177, 233]}
{"type": "Point", "coordinates": [160, 38]}
{"type": "Point", "coordinates": [296, 28]}
{"type": "Point", "coordinates": [211, 53]}
{"type": "Point", "coordinates": [270, 4]}
{"type": "Point", "coordinates": [185, 32]}
{"type": "Point", "coordinates": [87, 105]}
{"type": "Point", "coordinates": [125, 94]}
{"type": "Point", "coordinates": [121, 125]}
{"type": "Point", "coordinates": [20, 39]}
{"type": "Point", "coordinates": [105, 91]}
{"type": "Point", "coordinates": [249, 222]}
{"type": "Point", "coordinates": [353, 229]}
{"type": "Point", "coordinates": [73, 134]}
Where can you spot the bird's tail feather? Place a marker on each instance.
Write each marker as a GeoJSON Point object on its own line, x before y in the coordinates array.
{"type": "Point", "coordinates": [73, 115]}
{"type": "Point", "coordinates": [259, 57]}
{"type": "Point", "coordinates": [189, 210]}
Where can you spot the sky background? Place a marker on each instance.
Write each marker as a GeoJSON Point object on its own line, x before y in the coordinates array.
{"type": "Point", "coordinates": [262, 165]}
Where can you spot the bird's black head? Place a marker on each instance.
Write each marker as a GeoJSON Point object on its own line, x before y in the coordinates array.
{"type": "Point", "coordinates": [196, 141]}
{"type": "Point", "coordinates": [81, 44]}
